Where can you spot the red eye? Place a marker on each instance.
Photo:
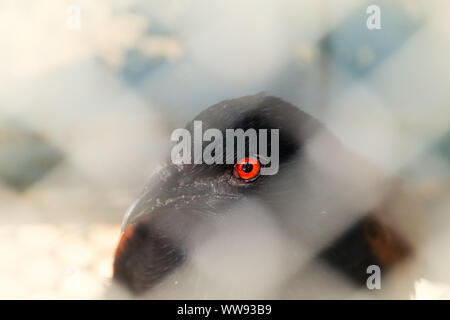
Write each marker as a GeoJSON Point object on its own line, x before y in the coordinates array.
{"type": "Point", "coordinates": [247, 168]}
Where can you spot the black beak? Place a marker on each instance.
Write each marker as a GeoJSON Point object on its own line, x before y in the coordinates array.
{"type": "Point", "coordinates": [160, 225]}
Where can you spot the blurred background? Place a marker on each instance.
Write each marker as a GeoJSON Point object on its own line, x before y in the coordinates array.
{"type": "Point", "coordinates": [90, 91]}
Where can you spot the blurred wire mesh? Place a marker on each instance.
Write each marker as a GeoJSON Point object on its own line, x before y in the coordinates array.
{"type": "Point", "coordinates": [91, 90]}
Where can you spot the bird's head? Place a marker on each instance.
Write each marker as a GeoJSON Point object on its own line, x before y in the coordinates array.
{"type": "Point", "coordinates": [226, 223]}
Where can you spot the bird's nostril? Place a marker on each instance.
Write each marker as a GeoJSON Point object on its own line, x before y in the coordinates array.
{"type": "Point", "coordinates": [187, 180]}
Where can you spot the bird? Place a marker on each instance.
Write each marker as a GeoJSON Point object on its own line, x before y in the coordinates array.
{"type": "Point", "coordinates": [311, 230]}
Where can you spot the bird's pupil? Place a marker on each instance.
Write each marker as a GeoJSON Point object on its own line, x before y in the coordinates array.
{"type": "Point", "coordinates": [247, 167]}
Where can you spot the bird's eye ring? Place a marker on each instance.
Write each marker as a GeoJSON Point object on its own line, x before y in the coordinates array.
{"type": "Point", "coordinates": [247, 169]}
